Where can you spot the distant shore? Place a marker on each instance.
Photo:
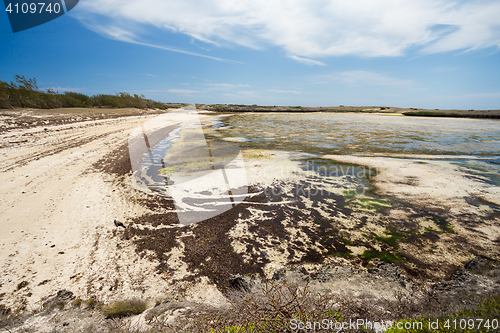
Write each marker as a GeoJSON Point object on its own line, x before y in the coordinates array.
{"type": "Point", "coordinates": [492, 114]}
{"type": "Point", "coordinates": [29, 117]}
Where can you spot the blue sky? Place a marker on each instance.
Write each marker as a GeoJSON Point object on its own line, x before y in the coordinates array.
{"type": "Point", "coordinates": [414, 53]}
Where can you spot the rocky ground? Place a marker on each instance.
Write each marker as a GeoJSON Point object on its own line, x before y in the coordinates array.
{"type": "Point", "coordinates": [383, 291]}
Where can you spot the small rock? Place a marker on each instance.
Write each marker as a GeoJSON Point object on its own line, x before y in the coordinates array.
{"type": "Point", "coordinates": [21, 285]}
{"type": "Point", "coordinates": [291, 273]}
{"type": "Point", "coordinates": [237, 282]}
{"type": "Point", "coordinates": [63, 296]}
{"type": "Point", "coordinates": [119, 224]}
{"type": "Point", "coordinates": [4, 311]}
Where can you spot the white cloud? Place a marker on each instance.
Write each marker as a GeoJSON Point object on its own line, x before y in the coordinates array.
{"type": "Point", "coordinates": [362, 78]}
{"type": "Point", "coordinates": [306, 61]}
{"type": "Point", "coordinates": [114, 32]}
{"type": "Point", "coordinates": [310, 29]}
{"type": "Point", "coordinates": [481, 95]}
{"type": "Point", "coordinates": [182, 91]}
{"type": "Point", "coordinates": [278, 91]}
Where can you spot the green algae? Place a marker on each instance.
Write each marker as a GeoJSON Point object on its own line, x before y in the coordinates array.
{"type": "Point", "coordinates": [392, 240]}
{"type": "Point", "coordinates": [254, 155]}
{"type": "Point", "coordinates": [369, 204]}
{"type": "Point", "coordinates": [346, 241]}
{"type": "Point", "coordinates": [443, 224]}
{"type": "Point", "coordinates": [343, 254]}
{"type": "Point", "coordinates": [384, 256]}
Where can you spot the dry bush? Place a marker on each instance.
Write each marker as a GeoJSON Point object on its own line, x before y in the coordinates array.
{"type": "Point", "coordinates": [125, 308]}
{"type": "Point", "coordinates": [271, 305]}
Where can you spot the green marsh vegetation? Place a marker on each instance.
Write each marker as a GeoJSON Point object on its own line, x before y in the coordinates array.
{"type": "Point", "coordinates": [437, 113]}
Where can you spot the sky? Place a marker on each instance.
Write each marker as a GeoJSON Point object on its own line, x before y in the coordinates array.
{"type": "Point", "coordinates": [413, 53]}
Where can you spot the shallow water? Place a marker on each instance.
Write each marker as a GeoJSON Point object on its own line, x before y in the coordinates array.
{"type": "Point", "coordinates": [471, 144]}
{"type": "Point", "coordinates": [340, 133]}
{"type": "Point", "coordinates": [302, 207]}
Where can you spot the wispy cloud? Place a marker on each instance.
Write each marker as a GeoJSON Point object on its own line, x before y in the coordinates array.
{"type": "Point", "coordinates": [306, 61]}
{"type": "Point", "coordinates": [182, 91]}
{"type": "Point", "coordinates": [243, 93]}
{"type": "Point", "coordinates": [308, 29]}
{"type": "Point", "coordinates": [445, 69]}
{"type": "Point", "coordinates": [362, 78]}
{"type": "Point", "coordinates": [63, 89]}
{"type": "Point", "coordinates": [225, 86]}
{"type": "Point", "coordinates": [233, 89]}
{"type": "Point", "coordinates": [480, 95]}
{"type": "Point", "coordinates": [278, 91]}
{"type": "Point", "coordinates": [121, 34]}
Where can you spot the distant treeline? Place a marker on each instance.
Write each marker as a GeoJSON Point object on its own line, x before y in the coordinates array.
{"type": "Point", "coordinates": [25, 93]}
{"type": "Point", "coordinates": [261, 108]}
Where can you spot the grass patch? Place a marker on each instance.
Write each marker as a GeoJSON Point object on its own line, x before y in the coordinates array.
{"type": "Point", "coordinates": [125, 308]}
{"type": "Point", "coordinates": [77, 302]}
{"type": "Point", "coordinates": [92, 303]}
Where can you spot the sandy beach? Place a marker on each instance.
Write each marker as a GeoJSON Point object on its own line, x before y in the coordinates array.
{"type": "Point", "coordinates": [57, 216]}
